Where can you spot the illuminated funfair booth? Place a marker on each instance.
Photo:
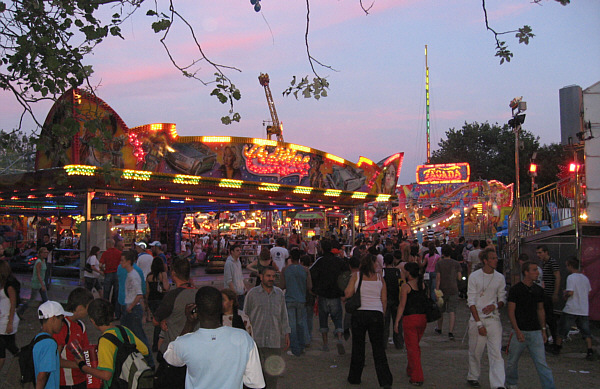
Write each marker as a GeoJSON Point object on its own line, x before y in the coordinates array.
{"type": "Point", "coordinates": [151, 170]}
{"type": "Point", "coordinates": [445, 200]}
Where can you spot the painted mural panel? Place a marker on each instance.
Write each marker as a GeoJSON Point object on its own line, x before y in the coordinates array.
{"type": "Point", "coordinates": [102, 141]}
{"type": "Point", "coordinates": [105, 140]}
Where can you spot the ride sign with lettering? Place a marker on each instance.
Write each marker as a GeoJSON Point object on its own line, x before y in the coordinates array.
{"type": "Point", "coordinates": [447, 173]}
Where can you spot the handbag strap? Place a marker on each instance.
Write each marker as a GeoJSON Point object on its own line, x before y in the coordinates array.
{"type": "Point", "coordinates": [359, 283]}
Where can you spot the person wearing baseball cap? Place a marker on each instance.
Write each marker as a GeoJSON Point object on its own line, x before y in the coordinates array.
{"type": "Point", "coordinates": [46, 360]}
{"type": "Point", "coordinates": [144, 260]}
{"type": "Point", "coordinates": [157, 251]}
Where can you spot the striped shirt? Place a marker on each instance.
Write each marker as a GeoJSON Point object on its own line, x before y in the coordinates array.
{"type": "Point", "coordinates": [430, 234]}
{"type": "Point", "coordinates": [268, 315]}
{"type": "Point", "coordinates": [550, 267]}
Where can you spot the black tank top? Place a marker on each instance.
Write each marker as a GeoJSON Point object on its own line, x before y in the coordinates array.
{"type": "Point", "coordinates": [155, 290]}
{"type": "Point", "coordinates": [416, 300]}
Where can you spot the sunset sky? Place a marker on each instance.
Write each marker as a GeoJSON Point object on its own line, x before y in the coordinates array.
{"type": "Point", "coordinates": [376, 102]}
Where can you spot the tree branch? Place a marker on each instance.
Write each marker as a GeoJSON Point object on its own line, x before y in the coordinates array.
{"type": "Point", "coordinates": [312, 59]}
{"type": "Point", "coordinates": [366, 10]}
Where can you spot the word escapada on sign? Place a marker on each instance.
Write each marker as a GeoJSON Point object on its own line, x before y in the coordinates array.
{"type": "Point", "coordinates": [280, 161]}
{"type": "Point", "coordinates": [443, 173]}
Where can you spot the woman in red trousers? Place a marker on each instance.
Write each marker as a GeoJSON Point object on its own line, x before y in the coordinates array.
{"type": "Point", "coordinates": [412, 312]}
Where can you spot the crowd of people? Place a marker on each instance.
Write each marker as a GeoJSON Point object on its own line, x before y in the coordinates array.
{"type": "Point", "coordinates": [248, 328]}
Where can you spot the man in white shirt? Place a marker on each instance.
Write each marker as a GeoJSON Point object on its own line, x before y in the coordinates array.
{"type": "Point", "coordinates": [576, 310]}
{"type": "Point", "coordinates": [280, 254]}
{"type": "Point", "coordinates": [144, 260]}
{"type": "Point", "coordinates": [233, 276]}
{"type": "Point", "coordinates": [486, 295]}
{"type": "Point", "coordinates": [229, 357]}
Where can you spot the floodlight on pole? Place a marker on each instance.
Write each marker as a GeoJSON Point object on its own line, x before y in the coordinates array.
{"type": "Point", "coordinates": [518, 106]}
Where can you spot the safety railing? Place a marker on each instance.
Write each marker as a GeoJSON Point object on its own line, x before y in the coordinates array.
{"type": "Point", "coordinates": [550, 207]}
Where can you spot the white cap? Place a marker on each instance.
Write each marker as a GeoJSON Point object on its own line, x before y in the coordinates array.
{"type": "Point", "coordinates": [156, 243]}
{"type": "Point", "coordinates": [141, 244]}
{"type": "Point", "coordinates": [51, 308]}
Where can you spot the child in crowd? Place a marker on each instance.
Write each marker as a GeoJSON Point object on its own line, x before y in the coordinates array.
{"type": "Point", "coordinates": [101, 314]}
{"type": "Point", "coordinates": [45, 352]}
{"type": "Point", "coordinates": [73, 331]}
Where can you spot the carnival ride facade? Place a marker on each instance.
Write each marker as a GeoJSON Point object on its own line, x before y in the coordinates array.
{"type": "Point", "coordinates": [150, 169]}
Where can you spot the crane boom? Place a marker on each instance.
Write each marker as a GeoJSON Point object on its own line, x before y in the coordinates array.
{"type": "Point", "coordinates": [274, 129]}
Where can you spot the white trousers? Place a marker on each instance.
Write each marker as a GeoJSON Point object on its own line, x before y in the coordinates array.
{"type": "Point", "coordinates": [477, 343]}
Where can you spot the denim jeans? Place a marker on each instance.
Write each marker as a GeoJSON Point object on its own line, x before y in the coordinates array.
{"type": "Point", "coordinates": [567, 321]}
{"type": "Point", "coordinates": [432, 278]}
{"type": "Point", "coordinates": [91, 283]}
{"type": "Point", "coordinates": [43, 294]}
{"type": "Point", "coordinates": [371, 322]}
{"type": "Point", "coordinates": [390, 319]}
{"type": "Point", "coordinates": [133, 321]}
{"type": "Point", "coordinates": [297, 318]}
{"type": "Point", "coordinates": [535, 344]}
{"type": "Point", "coordinates": [112, 281]}
{"type": "Point", "coordinates": [309, 324]}
{"type": "Point", "coordinates": [333, 308]}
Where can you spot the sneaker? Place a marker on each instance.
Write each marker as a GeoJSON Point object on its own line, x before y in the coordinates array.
{"type": "Point", "coordinates": [450, 336]}
{"type": "Point", "coordinates": [438, 331]}
{"type": "Point", "coordinates": [473, 383]}
{"type": "Point", "coordinates": [340, 348]}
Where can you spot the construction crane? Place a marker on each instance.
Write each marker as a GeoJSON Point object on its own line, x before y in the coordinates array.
{"type": "Point", "coordinates": [276, 128]}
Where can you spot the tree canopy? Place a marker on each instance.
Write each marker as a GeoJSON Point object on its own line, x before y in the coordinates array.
{"type": "Point", "coordinates": [17, 152]}
{"type": "Point", "coordinates": [490, 151]}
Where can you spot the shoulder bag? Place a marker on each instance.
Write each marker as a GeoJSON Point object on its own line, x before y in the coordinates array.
{"type": "Point", "coordinates": [353, 303]}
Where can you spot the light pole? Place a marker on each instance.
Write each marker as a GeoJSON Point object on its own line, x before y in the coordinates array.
{"type": "Point", "coordinates": [518, 118]}
{"type": "Point", "coordinates": [574, 168]}
{"type": "Point", "coordinates": [533, 173]}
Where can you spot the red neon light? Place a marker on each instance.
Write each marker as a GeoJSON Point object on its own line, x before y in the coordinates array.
{"type": "Point", "coordinates": [280, 162]}
{"type": "Point", "coordinates": [391, 158]}
{"type": "Point", "coordinates": [532, 168]}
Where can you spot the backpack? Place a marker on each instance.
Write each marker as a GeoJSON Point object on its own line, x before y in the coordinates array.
{"type": "Point", "coordinates": [67, 323]}
{"type": "Point", "coordinates": [131, 370]}
{"type": "Point", "coordinates": [26, 363]}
